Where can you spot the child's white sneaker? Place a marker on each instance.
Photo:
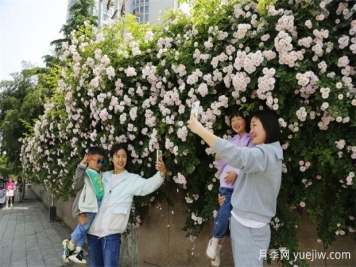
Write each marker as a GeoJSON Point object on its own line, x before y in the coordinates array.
{"type": "Point", "coordinates": [216, 261]}
{"type": "Point", "coordinates": [66, 251]}
{"type": "Point", "coordinates": [211, 249]}
{"type": "Point", "coordinates": [78, 258]}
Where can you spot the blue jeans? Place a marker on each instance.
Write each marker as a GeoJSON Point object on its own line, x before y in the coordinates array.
{"type": "Point", "coordinates": [104, 251]}
{"type": "Point", "coordinates": [222, 218]}
{"type": "Point", "coordinates": [80, 232]}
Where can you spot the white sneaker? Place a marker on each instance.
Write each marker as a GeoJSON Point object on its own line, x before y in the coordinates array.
{"type": "Point", "coordinates": [66, 251]}
{"type": "Point", "coordinates": [216, 261]}
{"type": "Point", "coordinates": [211, 249]}
{"type": "Point", "coordinates": [78, 258]}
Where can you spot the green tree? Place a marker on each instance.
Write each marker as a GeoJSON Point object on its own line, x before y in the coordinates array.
{"type": "Point", "coordinates": [22, 101]}
{"type": "Point", "coordinates": [5, 169]}
{"type": "Point", "coordinates": [13, 93]}
{"type": "Point", "coordinates": [80, 12]}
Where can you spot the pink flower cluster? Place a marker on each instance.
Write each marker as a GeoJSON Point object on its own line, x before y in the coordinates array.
{"type": "Point", "coordinates": [304, 165]}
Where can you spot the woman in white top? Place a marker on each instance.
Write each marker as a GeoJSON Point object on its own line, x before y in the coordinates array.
{"type": "Point", "coordinates": [104, 235]}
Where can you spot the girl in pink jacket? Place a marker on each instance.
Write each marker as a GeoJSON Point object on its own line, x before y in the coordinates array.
{"type": "Point", "coordinates": [10, 192]}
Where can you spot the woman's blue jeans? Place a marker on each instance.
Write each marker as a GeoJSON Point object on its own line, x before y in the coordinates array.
{"type": "Point", "coordinates": [104, 251]}
{"type": "Point", "coordinates": [222, 218]}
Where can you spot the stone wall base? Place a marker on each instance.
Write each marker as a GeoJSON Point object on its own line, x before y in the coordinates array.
{"type": "Point", "coordinates": [162, 242]}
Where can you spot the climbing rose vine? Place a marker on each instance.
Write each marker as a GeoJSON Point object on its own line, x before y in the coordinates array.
{"type": "Point", "coordinates": [135, 84]}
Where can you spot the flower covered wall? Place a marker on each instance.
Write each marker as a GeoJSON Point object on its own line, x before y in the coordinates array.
{"type": "Point", "coordinates": [135, 84]}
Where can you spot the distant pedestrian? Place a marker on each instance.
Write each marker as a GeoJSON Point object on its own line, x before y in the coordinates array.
{"type": "Point", "coordinates": [10, 192]}
{"type": "Point", "coordinates": [19, 187]}
{"type": "Point", "coordinates": [90, 191]}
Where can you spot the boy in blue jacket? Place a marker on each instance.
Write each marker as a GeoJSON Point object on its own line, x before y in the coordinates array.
{"type": "Point", "coordinates": [90, 191]}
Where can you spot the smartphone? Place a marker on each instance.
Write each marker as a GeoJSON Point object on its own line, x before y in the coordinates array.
{"type": "Point", "coordinates": [159, 154]}
{"type": "Point", "coordinates": [195, 108]}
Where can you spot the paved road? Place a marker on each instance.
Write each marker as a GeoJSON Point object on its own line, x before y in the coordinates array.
{"type": "Point", "coordinates": [28, 238]}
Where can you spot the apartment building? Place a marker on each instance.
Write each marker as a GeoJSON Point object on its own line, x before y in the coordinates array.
{"type": "Point", "coordinates": [145, 10]}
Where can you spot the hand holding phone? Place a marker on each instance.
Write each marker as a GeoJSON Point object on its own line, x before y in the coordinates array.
{"type": "Point", "coordinates": [159, 155]}
{"type": "Point", "coordinates": [195, 109]}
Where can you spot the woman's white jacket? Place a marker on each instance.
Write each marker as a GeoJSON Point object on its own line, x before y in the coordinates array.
{"type": "Point", "coordinates": [114, 211]}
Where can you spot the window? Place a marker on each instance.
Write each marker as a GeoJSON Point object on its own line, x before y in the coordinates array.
{"type": "Point", "coordinates": [107, 9]}
{"type": "Point", "coordinates": [140, 8]}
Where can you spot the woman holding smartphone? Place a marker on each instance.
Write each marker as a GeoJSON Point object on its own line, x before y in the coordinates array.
{"type": "Point", "coordinates": [104, 235]}
{"type": "Point", "coordinates": [254, 198]}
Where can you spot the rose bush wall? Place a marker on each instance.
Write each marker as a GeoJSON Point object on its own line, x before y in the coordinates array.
{"type": "Point", "coordinates": [135, 83]}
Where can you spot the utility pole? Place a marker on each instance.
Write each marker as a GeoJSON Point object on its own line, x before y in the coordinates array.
{"type": "Point", "coordinates": [100, 15]}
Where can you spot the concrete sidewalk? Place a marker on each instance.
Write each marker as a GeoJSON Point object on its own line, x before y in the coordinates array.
{"type": "Point", "coordinates": [28, 237]}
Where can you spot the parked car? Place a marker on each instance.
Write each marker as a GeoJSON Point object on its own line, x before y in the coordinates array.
{"type": "Point", "coordinates": [2, 192]}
